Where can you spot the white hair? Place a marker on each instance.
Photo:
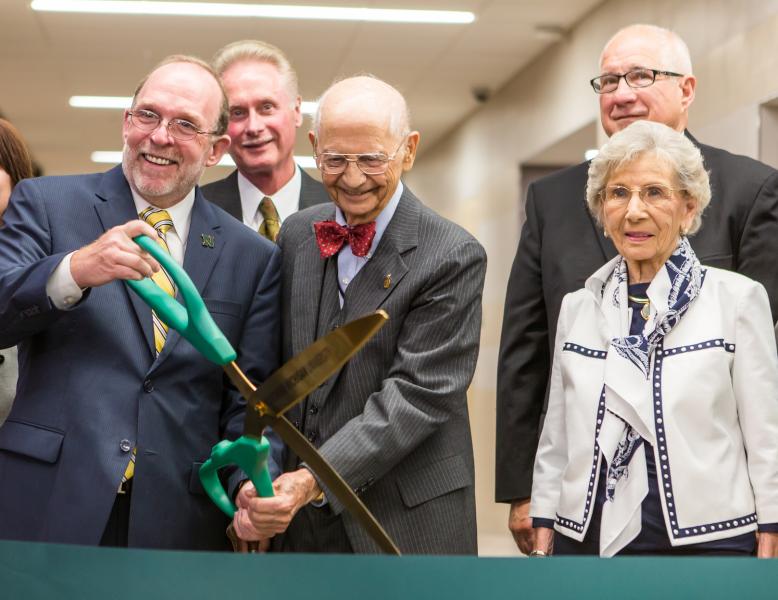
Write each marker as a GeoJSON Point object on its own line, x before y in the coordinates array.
{"type": "Point", "coordinates": [673, 54]}
{"type": "Point", "coordinates": [643, 138]}
{"type": "Point", "coordinates": [399, 114]}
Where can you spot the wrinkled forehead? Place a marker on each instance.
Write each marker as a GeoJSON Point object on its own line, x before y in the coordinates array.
{"type": "Point", "coordinates": [346, 129]}
{"type": "Point", "coordinates": [630, 51]}
{"type": "Point", "coordinates": [182, 87]}
{"type": "Point", "coordinates": [647, 166]}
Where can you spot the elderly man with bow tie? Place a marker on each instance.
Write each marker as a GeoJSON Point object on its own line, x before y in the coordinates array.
{"type": "Point", "coordinates": [393, 422]}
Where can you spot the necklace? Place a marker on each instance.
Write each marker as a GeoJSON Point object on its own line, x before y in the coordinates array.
{"type": "Point", "coordinates": [645, 312]}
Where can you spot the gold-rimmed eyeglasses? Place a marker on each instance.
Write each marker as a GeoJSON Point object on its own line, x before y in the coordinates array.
{"type": "Point", "coordinates": [652, 194]}
{"type": "Point", "coordinates": [181, 129]}
{"type": "Point", "coordinates": [374, 163]}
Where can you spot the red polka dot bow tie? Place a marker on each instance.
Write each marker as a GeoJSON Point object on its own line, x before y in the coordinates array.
{"type": "Point", "coordinates": [330, 236]}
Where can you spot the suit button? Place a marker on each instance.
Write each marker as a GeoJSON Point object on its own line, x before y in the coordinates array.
{"type": "Point", "coordinates": [148, 386]}
{"type": "Point", "coordinates": [314, 409]}
{"type": "Point", "coordinates": [125, 446]}
{"type": "Point", "coordinates": [311, 436]}
{"type": "Point", "coordinates": [296, 423]}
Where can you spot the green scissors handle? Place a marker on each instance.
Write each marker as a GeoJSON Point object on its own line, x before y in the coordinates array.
{"type": "Point", "coordinates": [193, 321]}
{"type": "Point", "coordinates": [251, 455]}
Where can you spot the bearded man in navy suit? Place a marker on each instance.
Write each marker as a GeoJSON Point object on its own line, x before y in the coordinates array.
{"type": "Point", "coordinates": [99, 388]}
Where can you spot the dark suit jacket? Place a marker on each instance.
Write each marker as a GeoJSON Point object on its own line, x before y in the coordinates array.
{"type": "Point", "coordinates": [90, 386]}
{"type": "Point", "coordinates": [225, 193]}
{"type": "Point", "coordinates": [561, 246]}
{"type": "Point", "coordinates": [394, 421]}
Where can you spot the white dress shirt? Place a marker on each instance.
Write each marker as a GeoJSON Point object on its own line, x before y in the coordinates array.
{"type": "Point", "coordinates": [286, 200]}
{"type": "Point", "coordinates": [63, 290]}
{"type": "Point", "coordinates": [348, 264]}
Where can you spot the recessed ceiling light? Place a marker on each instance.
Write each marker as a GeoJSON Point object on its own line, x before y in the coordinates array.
{"type": "Point", "coordinates": [273, 11]}
{"type": "Point", "coordinates": [114, 157]}
{"type": "Point", "coordinates": [122, 102]}
{"type": "Point", "coordinates": [100, 101]}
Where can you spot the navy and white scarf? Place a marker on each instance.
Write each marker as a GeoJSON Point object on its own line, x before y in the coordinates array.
{"type": "Point", "coordinates": [686, 275]}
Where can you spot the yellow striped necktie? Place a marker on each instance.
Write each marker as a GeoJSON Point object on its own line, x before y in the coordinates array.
{"type": "Point", "coordinates": [160, 220]}
{"type": "Point", "coordinates": [271, 222]}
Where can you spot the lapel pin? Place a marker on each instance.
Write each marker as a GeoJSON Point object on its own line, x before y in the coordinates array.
{"type": "Point", "coordinates": [207, 240]}
{"type": "Point", "coordinates": [387, 281]}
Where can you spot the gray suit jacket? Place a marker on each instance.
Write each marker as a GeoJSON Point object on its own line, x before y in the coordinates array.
{"type": "Point", "coordinates": [394, 422]}
{"type": "Point", "coordinates": [226, 195]}
{"type": "Point", "coordinates": [9, 371]}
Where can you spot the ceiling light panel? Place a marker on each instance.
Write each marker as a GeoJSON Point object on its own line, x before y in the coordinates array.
{"type": "Point", "coordinates": [268, 11]}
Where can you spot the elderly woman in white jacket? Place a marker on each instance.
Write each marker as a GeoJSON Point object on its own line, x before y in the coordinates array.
{"type": "Point", "coordinates": [661, 435]}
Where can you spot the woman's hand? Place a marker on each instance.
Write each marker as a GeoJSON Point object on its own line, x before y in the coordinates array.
{"type": "Point", "coordinates": [767, 547]}
{"type": "Point", "coordinates": [544, 540]}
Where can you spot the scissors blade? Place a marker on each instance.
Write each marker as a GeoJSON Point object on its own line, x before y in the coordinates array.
{"type": "Point", "coordinates": [308, 454]}
{"type": "Point", "coordinates": [306, 371]}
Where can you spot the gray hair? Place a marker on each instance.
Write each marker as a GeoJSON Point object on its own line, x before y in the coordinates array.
{"type": "Point", "coordinates": [673, 53]}
{"type": "Point", "coordinates": [399, 118]}
{"type": "Point", "coordinates": [655, 139]}
{"type": "Point", "coordinates": [256, 50]}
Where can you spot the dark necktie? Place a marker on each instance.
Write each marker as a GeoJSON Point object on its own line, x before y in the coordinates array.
{"type": "Point", "coordinates": [330, 236]}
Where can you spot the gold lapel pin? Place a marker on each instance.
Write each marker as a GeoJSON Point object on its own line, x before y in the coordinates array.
{"type": "Point", "coordinates": [387, 281]}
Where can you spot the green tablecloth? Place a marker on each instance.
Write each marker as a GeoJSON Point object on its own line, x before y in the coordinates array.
{"type": "Point", "coordinates": [29, 571]}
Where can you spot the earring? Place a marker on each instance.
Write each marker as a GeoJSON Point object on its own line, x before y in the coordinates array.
{"type": "Point", "coordinates": [605, 233]}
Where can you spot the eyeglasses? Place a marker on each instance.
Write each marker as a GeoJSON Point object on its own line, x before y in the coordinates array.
{"type": "Point", "coordinates": [652, 194]}
{"type": "Point", "coordinates": [636, 78]}
{"type": "Point", "coordinates": [181, 129]}
{"type": "Point", "coordinates": [376, 163]}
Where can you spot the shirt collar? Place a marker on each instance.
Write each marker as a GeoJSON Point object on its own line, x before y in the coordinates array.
{"type": "Point", "coordinates": [180, 213]}
{"type": "Point", "coordinates": [381, 221]}
{"type": "Point", "coordinates": [286, 200]}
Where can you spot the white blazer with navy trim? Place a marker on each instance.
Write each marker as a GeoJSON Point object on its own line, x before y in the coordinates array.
{"type": "Point", "coordinates": [715, 418]}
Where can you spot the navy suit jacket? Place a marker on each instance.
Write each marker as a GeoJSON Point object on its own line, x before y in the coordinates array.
{"type": "Point", "coordinates": [90, 386]}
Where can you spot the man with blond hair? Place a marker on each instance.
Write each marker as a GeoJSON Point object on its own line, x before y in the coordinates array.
{"type": "Point", "coordinates": [264, 101]}
{"type": "Point", "coordinates": [645, 73]}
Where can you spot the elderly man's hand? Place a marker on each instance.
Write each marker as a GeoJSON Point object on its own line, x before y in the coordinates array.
{"type": "Point", "coordinates": [262, 518]}
{"type": "Point", "coordinates": [114, 256]}
{"type": "Point", "coordinates": [767, 546]}
{"type": "Point", "coordinates": [520, 524]}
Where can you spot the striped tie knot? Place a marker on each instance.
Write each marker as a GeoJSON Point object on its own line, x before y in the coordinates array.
{"type": "Point", "coordinates": [159, 219]}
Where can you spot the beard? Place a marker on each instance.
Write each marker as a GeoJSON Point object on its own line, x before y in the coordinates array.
{"type": "Point", "coordinates": [161, 191]}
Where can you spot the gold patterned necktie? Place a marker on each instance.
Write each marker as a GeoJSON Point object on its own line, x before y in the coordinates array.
{"type": "Point", "coordinates": [271, 222]}
{"type": "Point", "coordinates": [160, 220]}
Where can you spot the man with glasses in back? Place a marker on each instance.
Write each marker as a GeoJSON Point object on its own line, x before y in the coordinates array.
{"type": "Point", "coordinates": [267, 185]}
{"type": "Point", "coordinates": [394, 421]}
{"type": "Point", "coordinates": [114, 411]}
{"type": "Point", "coordinates": [645, 73]}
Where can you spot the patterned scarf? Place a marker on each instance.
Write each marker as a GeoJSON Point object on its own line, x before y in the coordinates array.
{"type": "Point", "coordinates": [686, 278]}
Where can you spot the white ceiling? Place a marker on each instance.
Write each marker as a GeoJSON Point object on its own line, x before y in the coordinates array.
{"type": "Point", "coordinates": [47, 57]}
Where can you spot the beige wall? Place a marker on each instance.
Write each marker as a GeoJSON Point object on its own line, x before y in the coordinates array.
{"type": "Point", "coordinates": [472, 176]}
